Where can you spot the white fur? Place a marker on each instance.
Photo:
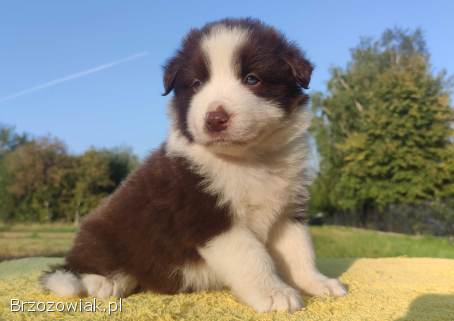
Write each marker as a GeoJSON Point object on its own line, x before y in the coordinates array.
{"type": "Point", "coordinates": [250, 114]}
{"type": "Point", "coordinates": [199, 277]}
{"type": "Point", "coordinates": [120, 285]}
{"type": "Point", "coordinates": [241, 262]}
{"type": "Point", "coordinates": [63, 284]}
{"type": "Point", "coordinates": [291, 247]}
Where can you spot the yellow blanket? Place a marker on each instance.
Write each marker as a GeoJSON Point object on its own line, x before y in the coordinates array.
{"type": "Point", "coordinates": [379, 289]}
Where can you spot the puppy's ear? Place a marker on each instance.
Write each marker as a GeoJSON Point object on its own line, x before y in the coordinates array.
{"type": "Point", "coordinates": [171, 69]}
{"type": "Point", "coordinates": [301, 68]}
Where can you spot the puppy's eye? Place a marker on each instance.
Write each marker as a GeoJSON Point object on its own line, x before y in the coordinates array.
{"type": "Point", "coordinates": [251, 80]}
{"type": "Point", "coordinates": [196, 84]}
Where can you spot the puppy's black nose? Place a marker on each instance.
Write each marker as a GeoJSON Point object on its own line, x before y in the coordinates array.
{"type": "Point", "coordinates": [217, 121]}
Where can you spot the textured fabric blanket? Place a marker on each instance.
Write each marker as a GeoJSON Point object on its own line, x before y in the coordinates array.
{"type": "Point", "coordinates": [379, 289]}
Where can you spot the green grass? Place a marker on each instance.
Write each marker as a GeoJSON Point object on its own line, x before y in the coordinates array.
{"type": "Point", "coordinates": [21, 240]}
{"type": "Point", "coordinates": [24, 240]}
{"type": "Point", "coordinates": [338, 241]}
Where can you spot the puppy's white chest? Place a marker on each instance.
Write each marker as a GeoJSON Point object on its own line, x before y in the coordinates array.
{"type": "Point", "coordinates": [257, 192]}
{"type": "Point", "coordinates": [256, 195]}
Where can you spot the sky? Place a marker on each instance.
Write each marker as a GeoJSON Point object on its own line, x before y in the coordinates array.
{"type": "Point", "coordinates": [90, 72]}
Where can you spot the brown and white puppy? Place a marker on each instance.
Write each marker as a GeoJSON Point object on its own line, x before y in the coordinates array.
{"type": "Point", "coordinates": [218, 204]}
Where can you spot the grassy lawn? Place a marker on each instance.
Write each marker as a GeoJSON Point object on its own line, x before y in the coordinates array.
{"type": "Point", "coordinates": [339, 241]}
{"type": "Point", "coordinates": [330, 241]}
{"type": "Point", "coordinates": [35, 240]}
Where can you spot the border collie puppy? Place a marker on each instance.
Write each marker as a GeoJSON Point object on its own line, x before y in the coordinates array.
{"type": "Point", "coordinates": [219, 203]}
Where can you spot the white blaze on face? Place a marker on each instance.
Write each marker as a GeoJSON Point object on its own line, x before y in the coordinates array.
{"type": "Point", "coordinates": [250, 115]}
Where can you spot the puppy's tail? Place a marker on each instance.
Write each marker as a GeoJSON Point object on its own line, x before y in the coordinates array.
{"type": "Point", "coordinates": [62, 282]}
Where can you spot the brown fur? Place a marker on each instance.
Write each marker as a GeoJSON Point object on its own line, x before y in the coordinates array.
{"type": "Point", "coordinates": [151, 226]}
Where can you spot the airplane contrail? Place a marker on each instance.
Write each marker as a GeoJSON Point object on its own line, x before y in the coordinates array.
{"type": "Point", "coordinates": [73, 76]}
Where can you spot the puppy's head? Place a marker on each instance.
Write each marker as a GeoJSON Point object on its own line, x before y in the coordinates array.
{"type": "Point", "coordinates": [235, 81]}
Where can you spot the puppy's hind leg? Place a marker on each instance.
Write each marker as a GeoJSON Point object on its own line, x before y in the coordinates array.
{"type": "Point", "coordinates": [118, 285]}
{"type": "Point", "coordinates": [63, 282]}
{"type": "Point", "coordinates": [291, 246]}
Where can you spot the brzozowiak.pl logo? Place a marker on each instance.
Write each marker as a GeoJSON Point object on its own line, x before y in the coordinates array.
{"type": "Point", "coordinates": [93, 305]}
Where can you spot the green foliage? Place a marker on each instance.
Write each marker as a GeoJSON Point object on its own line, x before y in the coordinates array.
{"type": "Point", "coordinates": [97, 174]}
{"type": "Point", "coordinates": [38, 169]}
{"type": "Point", "coordinates": [41, 182]}
{"type": "Point", "coordinates": [9, 141]}
{"type": "Point", "coordinates": [383, 129]}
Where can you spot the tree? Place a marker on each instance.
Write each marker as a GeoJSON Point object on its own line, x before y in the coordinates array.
{"type": "Point", "coordinates": [40, 181]}
{"type": "Point", "coordinates": [383, 129]}
{"type": "Point", "coordinates": [91, 175]}
{"type": "Point", "coordinates": [121, 162]}
{"type": "Point", "coordinates": [97, 173]}
{"type": "Point", "coordinates": [38, 170]}
{"type": "Point", "coordinates": [9, 141]}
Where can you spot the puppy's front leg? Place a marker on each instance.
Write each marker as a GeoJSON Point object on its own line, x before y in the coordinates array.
{"type": "Point", "coordinates": [242, 263]}
{"type": "Point", "coordinates": [291, 246]}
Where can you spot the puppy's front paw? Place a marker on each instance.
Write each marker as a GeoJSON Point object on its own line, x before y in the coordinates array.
{"type": "Point", "coordinates": [285, 299]}
{"type": "Point", "coordinates": [282, 298]}
{"type": "Point", "coordinates": [335, 287]}
{"type": "Point", "coordinates": [323, 286]}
